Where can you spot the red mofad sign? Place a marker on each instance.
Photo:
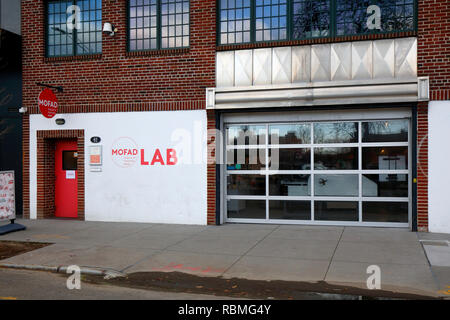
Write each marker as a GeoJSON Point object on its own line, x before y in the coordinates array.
{"type": "Point", "coordinates": [48, 103]}
{"type": "Point", "coordinates": [125, 153]}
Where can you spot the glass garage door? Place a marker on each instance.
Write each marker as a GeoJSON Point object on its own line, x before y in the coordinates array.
{"type": "Point", "coordinates": [344, 173]}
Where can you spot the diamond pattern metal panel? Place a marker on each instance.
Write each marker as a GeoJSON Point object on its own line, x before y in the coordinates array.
{"type": "Point", "coordinates": [341, 61]}
{"type": "Point", "coordinates": [281, 65]}
{"type": "Point", "coordinates": [225, 69]}
{"type": "Point", "coordinates": [301, 64]}
{"type": "Point", "coordinates": [383, 59]}
{"type": "Point", "coordinates": [379, 59]}
{"type": "Point", "coordinates": [362, 60]}
{"type": "Point", "coordinates": [243, 68]}
{"type": "Point", "coordinates": [320, 62]}
{"type": "Point", "coordinates": [262, 66]}
{"type": "Point", "coordinates": [406, 58]}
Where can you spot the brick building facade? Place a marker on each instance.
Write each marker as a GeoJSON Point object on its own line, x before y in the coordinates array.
{"type": "Point", "coordinates": [152, 85]}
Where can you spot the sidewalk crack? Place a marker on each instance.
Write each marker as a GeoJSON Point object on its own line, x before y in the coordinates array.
{"type": "Point", "coordinates": [334, 252]}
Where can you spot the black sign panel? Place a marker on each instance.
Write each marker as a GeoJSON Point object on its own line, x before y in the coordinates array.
{"type": "Point", "coordinates": [95, 139]}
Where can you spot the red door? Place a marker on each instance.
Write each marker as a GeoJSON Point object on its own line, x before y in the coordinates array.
{"type": "Point", "coordinates": [66, 178]}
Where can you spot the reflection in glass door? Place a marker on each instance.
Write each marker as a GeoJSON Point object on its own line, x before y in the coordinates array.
{"type": "Point", "coordinates": [348, 172]}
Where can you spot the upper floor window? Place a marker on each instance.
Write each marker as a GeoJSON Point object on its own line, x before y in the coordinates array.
{"type": "Point", "coordinates": [355, 17]}
{"type": "Point", "coordinates": [158, 24]}
{"type": "Point", "coordinates": [74, 27]}
{"type": "Point", "coordinates": [244, 21]}
{"type": "Point", "coordinates": [310, 19]}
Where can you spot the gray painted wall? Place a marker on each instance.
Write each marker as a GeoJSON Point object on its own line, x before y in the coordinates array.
{"type": "Point", "coordinates": [10, 15]}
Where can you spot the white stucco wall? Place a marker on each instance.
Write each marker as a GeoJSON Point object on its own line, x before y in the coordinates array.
{"type": "Point", "coordinates": [439, 166]}
{"type": "Point", "coordinates": [160, 194]}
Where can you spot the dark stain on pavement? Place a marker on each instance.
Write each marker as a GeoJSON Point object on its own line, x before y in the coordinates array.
{"type": "Point", "coordinates": [248, 289]}
{"type": "Point", "coordinates": [10, 249]}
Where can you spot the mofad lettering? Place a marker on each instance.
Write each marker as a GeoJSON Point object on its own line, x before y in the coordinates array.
{"type": "Point", "coordinates": [124, 152]}
{"type": "Point", "coordinates": [171, 158]}
{"type": "Point", "coordinates": [158, 158]}
{"type": "Point", "coordinates": [48, 103]}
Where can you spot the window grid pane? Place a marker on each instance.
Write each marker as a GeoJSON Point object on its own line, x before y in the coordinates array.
{"type": "Point", "coordinates": [59, 37]}
{"type": "Point", "coordinates": [235, 21]}
{"type": "Point", "coordinates": [89, 37]}
{"type": "Point", "coordinates": [66, 37]}
{"type": "Point", "coordinates": [174, 24]}
{"type": "Point", "coordinates": [143, 25]}
{"type": "Point", "coordinates": [271, 20]}
{"type": "Point", "coordinates": [158, 24]}
{"type": "Point", "coordinates": [352, 16]}
{"type": "Point", "coordinates": [310, 19]}
{"type": "Point", "coordinates": [244, 21]}
{"type": "Point", "coordinates": [337, 168]}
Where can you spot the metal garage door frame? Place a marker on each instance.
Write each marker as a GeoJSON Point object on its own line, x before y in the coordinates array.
{"type": "Point", "coordinates": [319, 116]}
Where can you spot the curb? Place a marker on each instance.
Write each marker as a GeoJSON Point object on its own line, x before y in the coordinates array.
{"type": "Point", "coordinates": [107, 274]}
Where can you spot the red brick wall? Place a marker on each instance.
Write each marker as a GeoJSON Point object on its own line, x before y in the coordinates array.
{"type": "Point", "coordinates": [116, 76]}
{"type": "Point", "coordinates": [211, 167]}
{"type": "Point", "coordinates": [117, 81]}
{"type": "Point", "coordinates": [45, 178]}
{"type": "Point", "coordinates": [422, 166]}
{"type": "Point", "coordinates": [45, 205]}
{"type": "Point", "coordinates": [176, 79]}
{"type": "Point", "coordinates": [434, 46]}
{"type": "Point", "coordinates": [434, 61]}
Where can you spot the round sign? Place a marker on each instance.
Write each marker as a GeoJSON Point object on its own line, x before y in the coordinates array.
{"type": "Point", "coordinates": [96, 139]}
{"type": "Point", "coordinates": [124, 152]}
{"type": "Point", "coordinates": [48, 103]}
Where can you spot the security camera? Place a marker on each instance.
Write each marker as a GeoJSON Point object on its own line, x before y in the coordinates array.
{"type": "Point", "coordinates": [109, 28]}
{"type": "Point", "coordinates": [22, 109]}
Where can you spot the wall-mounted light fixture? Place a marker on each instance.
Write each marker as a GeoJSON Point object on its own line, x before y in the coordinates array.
{"type": "Point", "coordinates": [23, 110]}
{"type": "Point", "coordinates": [60, 121]}
{"type": "Point", "coordinates": [109, 29]}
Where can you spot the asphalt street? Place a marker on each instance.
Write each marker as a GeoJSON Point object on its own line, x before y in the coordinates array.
{"type": "Point", "coordinates": [36, 285]}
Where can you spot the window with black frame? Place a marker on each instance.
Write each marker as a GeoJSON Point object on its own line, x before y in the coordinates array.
{"type": "Point", "coordinates": [247, 21]}
{"type": "Point", "coordinates": [310, 19]}
{"type": "Point", "coordinates": [158, 24]}
{"type": "Point", "coordinates": [360, 16]}
{"type": "Point", "coordinates": [73, 27]}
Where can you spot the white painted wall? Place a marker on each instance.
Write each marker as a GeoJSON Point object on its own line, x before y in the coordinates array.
{"type": "Point", "coordinates": [439, 166]}
{"type": "Point", "coordinates": [159, 194]}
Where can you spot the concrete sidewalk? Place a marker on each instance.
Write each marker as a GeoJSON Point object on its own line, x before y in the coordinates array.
{"type": "Point", "coordinates": [410, 262]}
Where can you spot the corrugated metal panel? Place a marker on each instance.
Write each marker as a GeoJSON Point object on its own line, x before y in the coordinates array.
{"type": "Point", "coordinates": [243, 64]}
{"type": "Point", "coordinates": [320, 62]}
{"type": "Point", "coordinates": [383, 59]}
{"type": "Point", "coordinates": [262, 66]}
{"type": "Point", "coordinates": [341, 61]}
{"type": "Point", "coordinates": [362, 60]}
{"type": "Point", "coordinates": [301, 64]}
{"type": "Point", "coordinates": [281, 65]}
{"type": "Point", "coordinates": [225, 69]}
{"type": "Point", "coordinates": [405, 57]}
